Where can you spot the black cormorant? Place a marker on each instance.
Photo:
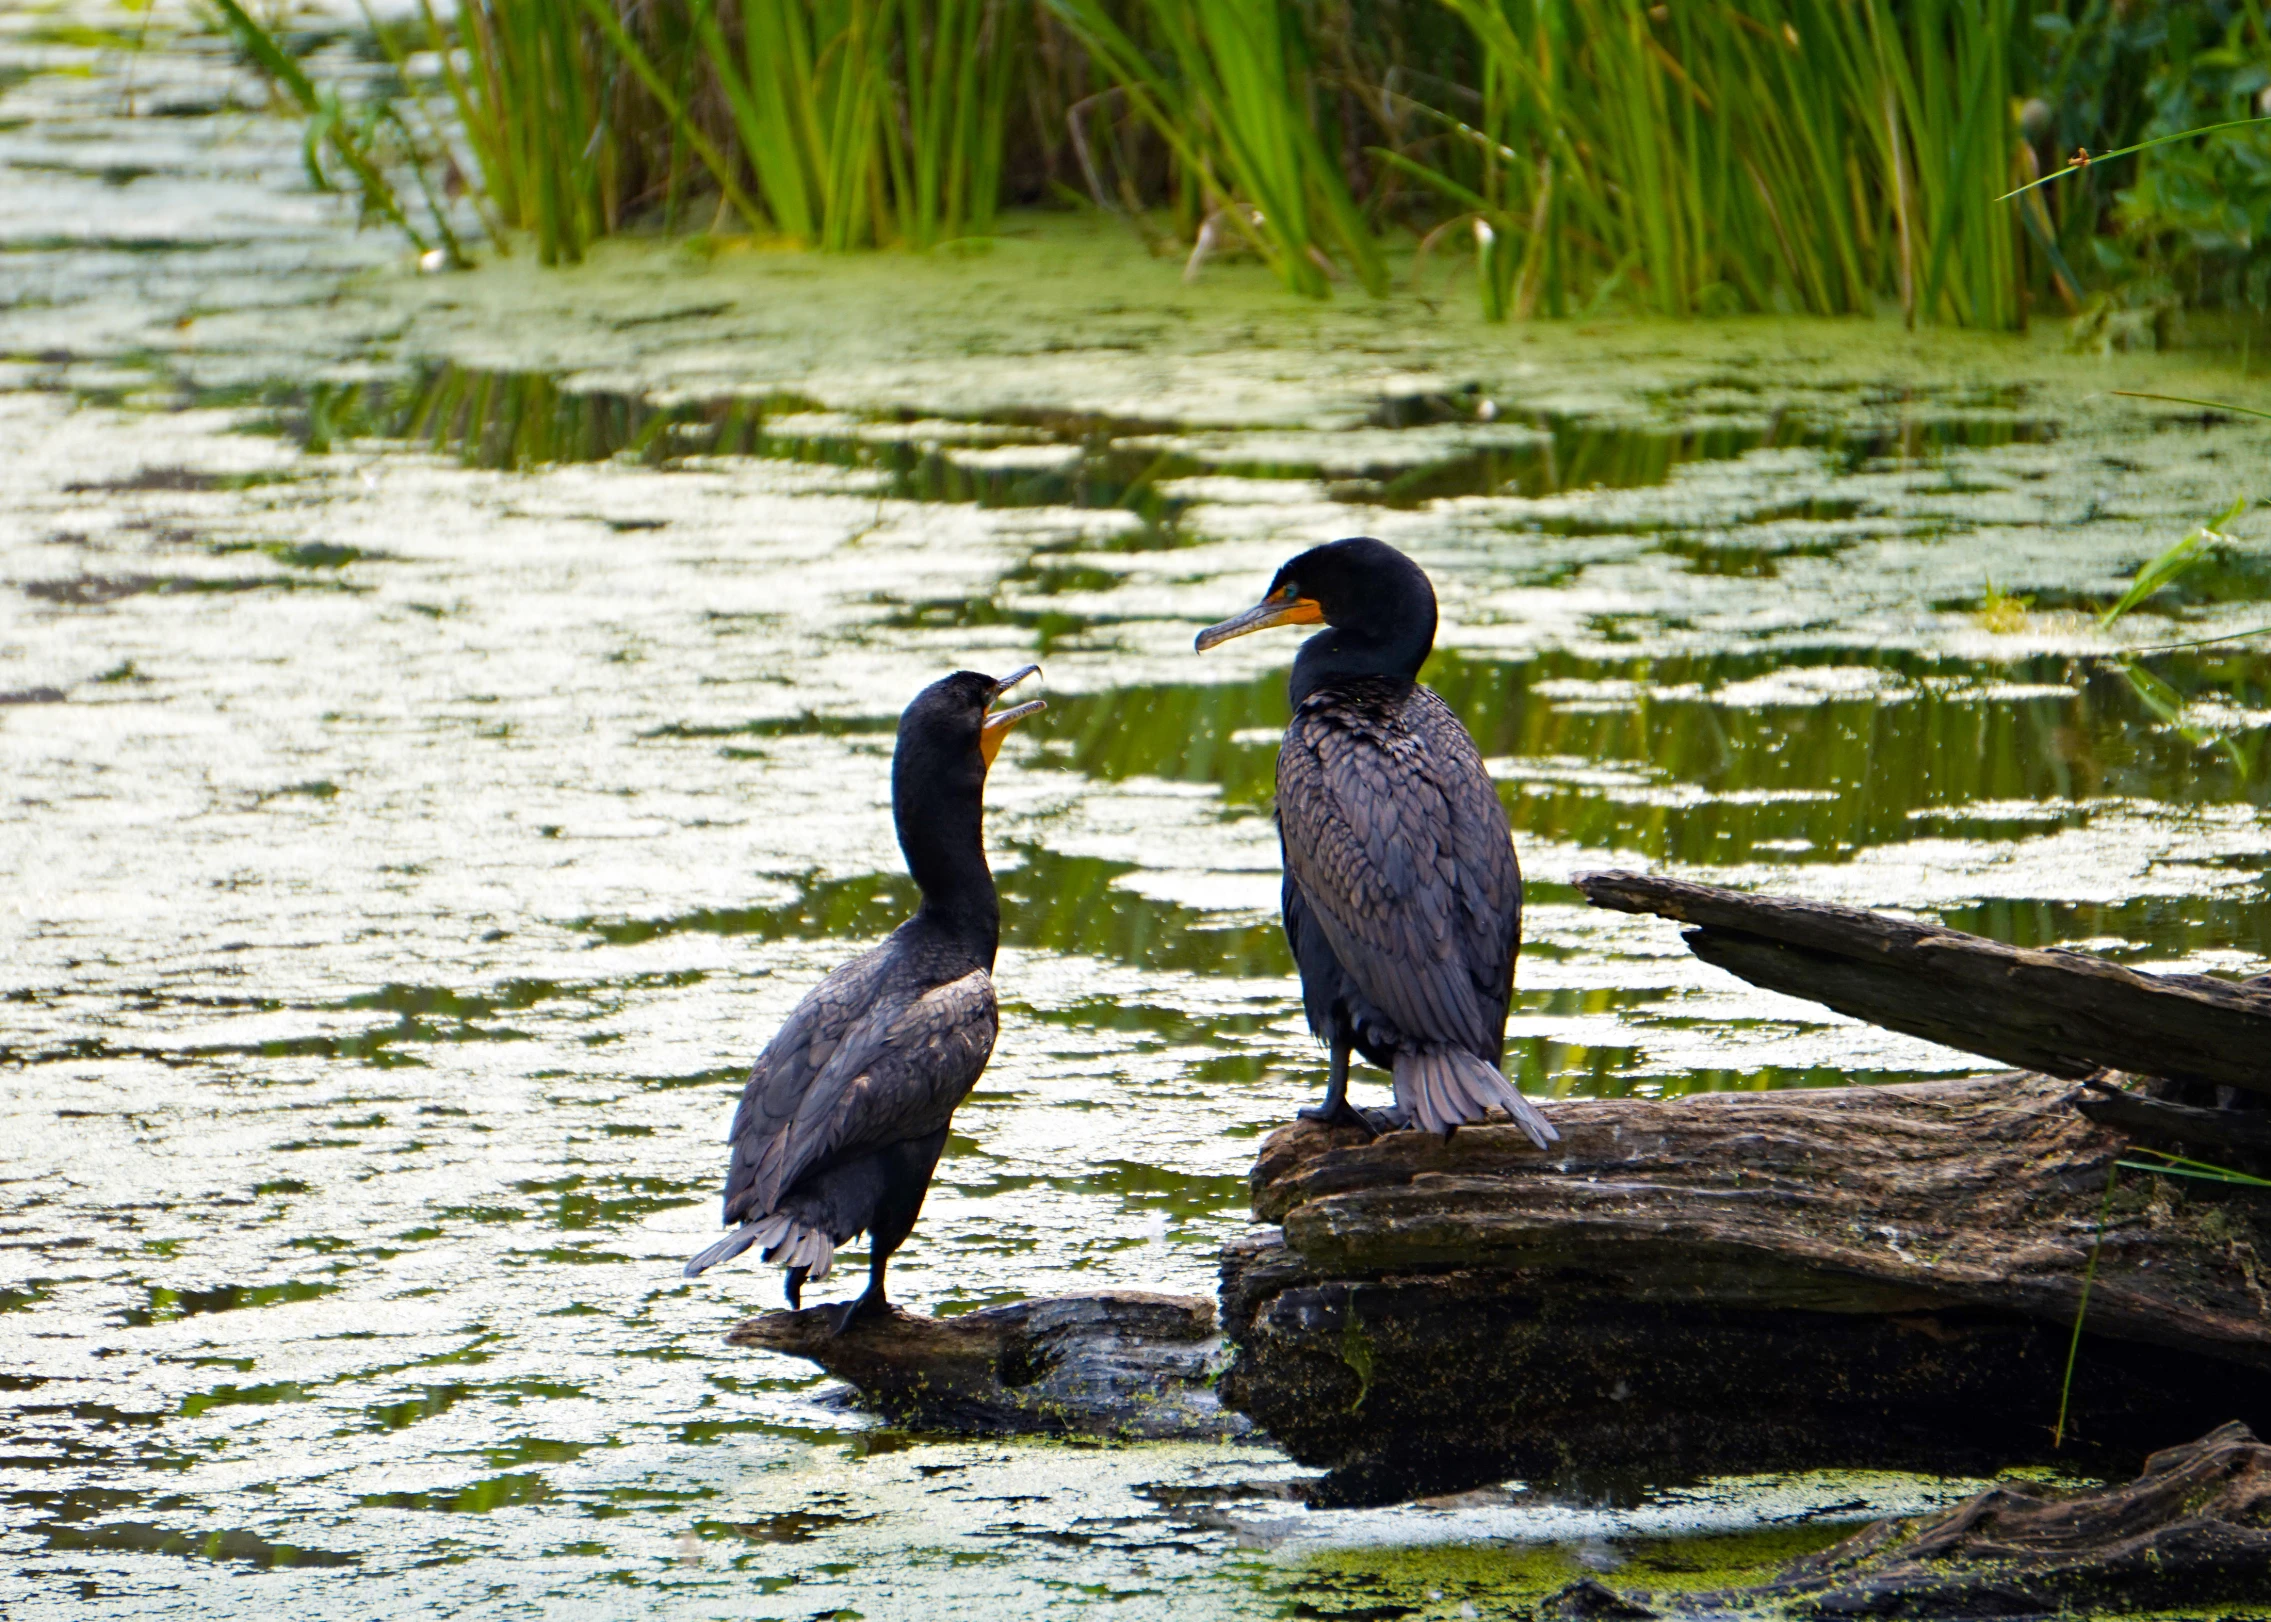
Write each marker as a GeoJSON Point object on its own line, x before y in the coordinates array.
{"type": "Point", "coordinates": [1402, 897]}
{"type": "Point", "coordinates": [846, 1110]}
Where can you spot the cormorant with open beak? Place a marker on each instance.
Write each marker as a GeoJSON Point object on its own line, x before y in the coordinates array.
{"type": "Point", "coordinates": [846, 1110]}
{"type": "Point", "coordinates": [1402, 896]}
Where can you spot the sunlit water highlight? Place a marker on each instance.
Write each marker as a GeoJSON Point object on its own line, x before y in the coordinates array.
{"type": "Point", "coordinates": [431, 774]}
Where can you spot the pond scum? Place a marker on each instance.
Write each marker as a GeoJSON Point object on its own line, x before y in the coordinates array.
{"type": "Point", "coordinates": [1704, 157]}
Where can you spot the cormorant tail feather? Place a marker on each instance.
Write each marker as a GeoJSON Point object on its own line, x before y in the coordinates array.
{"type": "Point", "coordinates": [1443, 1089]}
{"type": "Point", "coordinates": [787, 1241]}
{"type": "Point", "coordinates": [802, 1245]}
{"type": "Point", "coordinates": [732, 1245]}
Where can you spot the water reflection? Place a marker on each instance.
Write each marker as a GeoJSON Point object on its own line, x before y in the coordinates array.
{"type": "Point", "coordinates": [1435, 445]}
{"type": "Point", "coordinates": [1729, 758]}
{"type": "Point", "coordinates": [1049, 901]}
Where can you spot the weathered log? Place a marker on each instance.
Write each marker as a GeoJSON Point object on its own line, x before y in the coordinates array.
{"type": "Point", "coordinates": [2245, 1133]}
{"type": "Point", "coordinates": [2059, 1012]}
{"type": "Point", "coordinates": [2194, 1529]}
{"type": "Point", "coordinates": [1124, 1364]}
{"type": "Point", "coordinates": [1882, 1276]}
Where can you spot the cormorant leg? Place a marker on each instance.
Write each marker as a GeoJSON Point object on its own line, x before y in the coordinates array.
{"type": "Point", "coordinates": [869, 1302]}
{"type": "Point", "coordinates": [1336, 1110]}
{"type": "Point", "coordinates": [888, 1228]}
{"type": "Point", "coordinates": [907, 1169]}
{"type": "Point", "coordinates": [796, 1287]}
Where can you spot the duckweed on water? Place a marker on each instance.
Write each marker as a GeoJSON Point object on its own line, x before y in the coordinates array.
{"type": "Point", "coordinates": [1424, 1582]}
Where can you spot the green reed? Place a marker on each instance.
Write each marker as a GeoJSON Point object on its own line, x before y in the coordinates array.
{"type": "Point", "coordinates": [531, 101]}
{"type": "Point", "coordinates": [2164, 569]}
{"type": "Point", "coordinates": [1826, 156]}
{"type": "Point", "coordinates": [863, 121]}
{"type": "Point", "coordinates": [1745, 155]}
{"type": "Point", "coordinates": [368, 141]}
{"type": "Point", "coordinates": [1231, 95]}
{"type": "Point", "coordinates": [832, 123]}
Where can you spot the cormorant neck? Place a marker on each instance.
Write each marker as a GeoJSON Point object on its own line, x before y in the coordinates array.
{"type": "Point", "coordinates": [942, 834]}
{"type": "Point", "coordinates": [1348, 652]}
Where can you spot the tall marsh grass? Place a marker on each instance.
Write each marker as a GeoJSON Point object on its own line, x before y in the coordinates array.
{"type": "Point", "coordinates": [1707, 156]}
{"type": "Point", "coordinates": [831, 123]}
{"type": "Point", "coordinates": [1747, 155]}
{"type": "Point", "coordinates": [1231, 97]}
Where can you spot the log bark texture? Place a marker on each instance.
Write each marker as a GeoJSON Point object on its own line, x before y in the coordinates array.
{"type": "Point", "coordinates": [1125, 1364]}
{"type": "Point", "coordinates": [2062, 1013]}
{"type": "Point", "coordinates": [1879, 1276]}
{"type": "Point", "coordinates": [2194, 1529]}
{"type": "Point", "coordinates": [2226, 1133]}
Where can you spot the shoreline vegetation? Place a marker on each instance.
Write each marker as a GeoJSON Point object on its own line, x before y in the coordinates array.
{"type": "Point", "coordinates": [1568, 158]}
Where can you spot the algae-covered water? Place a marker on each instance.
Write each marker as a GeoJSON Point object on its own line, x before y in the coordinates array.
{"type": "Point", "coordinates": [444, 721]}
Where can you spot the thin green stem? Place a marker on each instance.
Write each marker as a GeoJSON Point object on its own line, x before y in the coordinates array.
{"type": "Point", "coordinates": [2202, 642]}
{"type": "Point", "coordinates": [2077, 165]}
{"type": "Point", "coordinates": [2180, 399]}
{"type": "Point", "coordinates": [2081, 1309]}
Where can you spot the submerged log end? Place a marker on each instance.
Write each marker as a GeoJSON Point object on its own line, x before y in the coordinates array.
{"type": "Point", "coordinates": [2194, 1529]}
{"type": "Point", "coordinates": [1121, 1364]}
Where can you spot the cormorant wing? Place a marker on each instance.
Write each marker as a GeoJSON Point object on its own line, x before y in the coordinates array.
{"type": "Point", "coordinates": [861, 1062]}
{"type": "Point", "coordinates": [1400, 846]}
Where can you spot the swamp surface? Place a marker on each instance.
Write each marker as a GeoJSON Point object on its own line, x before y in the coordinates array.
{"type": "Point", "coordinates": [444, 723]}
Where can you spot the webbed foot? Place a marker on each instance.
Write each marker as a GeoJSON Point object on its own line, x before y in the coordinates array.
{"type": "Point", "coordinates": [1371, 1122]}
{"type": "Point", "coordinates": [841, 1316]}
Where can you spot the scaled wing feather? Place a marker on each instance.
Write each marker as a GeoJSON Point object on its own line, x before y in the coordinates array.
{"type": "Point", "coordinates": [1395, 836]}
{"type": "Point", "coordinates": [856, 1067]}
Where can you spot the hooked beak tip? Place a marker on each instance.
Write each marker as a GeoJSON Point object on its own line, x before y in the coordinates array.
{"type": "Point", "coordinates": [996, 726]}
{"type": "Point", "coordinates": [1012, 679]}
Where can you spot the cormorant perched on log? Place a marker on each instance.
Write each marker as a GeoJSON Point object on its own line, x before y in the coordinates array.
{"type": "Point", "coordinates": [846, 1110]}
{"type": "Point", "coordinates": [1402, 897]}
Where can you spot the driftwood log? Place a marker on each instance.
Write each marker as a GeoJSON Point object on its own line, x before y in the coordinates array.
{"type": "Point", "coordinates": [1883, 1276]}
{"type": "Point", "coordinates": [2062, 1013]}
{"type": "Point", "coordinates": [1125, 1364]}
{"type": "Point", "coordinates": [2236, 1134]}
{"type": "Point", "coordinates": [2194, 1529]}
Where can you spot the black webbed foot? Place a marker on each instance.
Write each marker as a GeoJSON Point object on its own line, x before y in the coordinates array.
{"type": "Point", "coordinates": [841, 1316]}
{"type": "Point", "coordinates": [1372, 1122]}
{"type": "Point", "coordinates": [1341, 1114]}
{"type": "Point", "coordinates": [795, 1287]}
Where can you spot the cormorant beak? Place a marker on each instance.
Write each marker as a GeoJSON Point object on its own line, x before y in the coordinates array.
{"type": "Point", "coordinates": [998, 724]}
{"type": "Point", "coordinates": [1286, 607]}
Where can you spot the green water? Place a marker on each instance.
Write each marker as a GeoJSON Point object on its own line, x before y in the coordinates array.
{"type": "Point", "coordinates": [445, 720]}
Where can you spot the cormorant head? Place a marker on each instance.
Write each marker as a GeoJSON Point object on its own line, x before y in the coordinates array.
{"type": "Point", "coordinates": [1378, 603]}
{"type": "Point", "coordinates": [948, 737]}
{"type": "Point", "coordinates": [951, 733]}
